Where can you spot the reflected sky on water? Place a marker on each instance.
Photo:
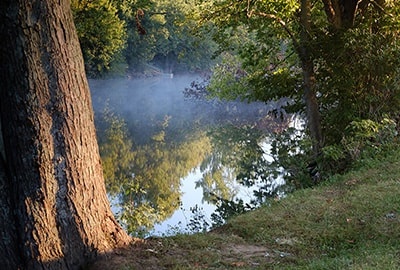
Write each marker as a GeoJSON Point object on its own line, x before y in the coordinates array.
{"type": "Point", "coordinates": [160, 126]}
{"type": "Point", "coordinates": [192, 197]}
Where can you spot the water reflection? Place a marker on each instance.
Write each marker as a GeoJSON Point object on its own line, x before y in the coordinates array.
{"type": "Point", "coordinates": [190, 198]}
{"type": "Point", "coordinates": [153, 142]}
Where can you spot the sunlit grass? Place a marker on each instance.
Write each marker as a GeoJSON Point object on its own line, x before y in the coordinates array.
{"type": "Point", "coordinates": [350, 222]}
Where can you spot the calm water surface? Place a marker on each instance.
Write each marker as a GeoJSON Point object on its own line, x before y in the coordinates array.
{"type": "Point", "coordinates": [186, 148]}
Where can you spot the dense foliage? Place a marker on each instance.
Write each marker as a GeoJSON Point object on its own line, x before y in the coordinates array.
{"type": "Point", "coordinates": [352, 66]}
{"type": "Point", "coordinates": [101, 34]}
{"type": "Point", "coordinates": [142, 36]}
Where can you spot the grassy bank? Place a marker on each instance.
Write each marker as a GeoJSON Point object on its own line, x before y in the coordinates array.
{"type": "Point", "coordinates": [350, 222]}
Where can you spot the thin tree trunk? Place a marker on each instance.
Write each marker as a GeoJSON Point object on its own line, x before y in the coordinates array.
{"type": "Point", "coordinates": [56, 188]}
{"type": "Point", "coordinates": [312, 107]}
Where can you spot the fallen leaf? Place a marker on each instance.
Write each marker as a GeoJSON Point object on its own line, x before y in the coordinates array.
{"type": "Point", "coordinates": [238, 264]}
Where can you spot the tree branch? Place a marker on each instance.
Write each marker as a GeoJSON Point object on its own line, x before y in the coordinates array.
{"type": "Point", "coordinates": [380, 6]}
{"type": "Point", "coordinates": [275, 18]}
{"type": "Point", "coordinates": [332, 11]}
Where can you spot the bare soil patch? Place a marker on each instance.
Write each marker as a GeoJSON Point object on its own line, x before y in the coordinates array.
{"type": "Point", "coordinates": [155, 254]}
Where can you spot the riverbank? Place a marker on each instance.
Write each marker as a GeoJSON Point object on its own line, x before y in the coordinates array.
{"type": "Point", "coordinates": [351, 221]}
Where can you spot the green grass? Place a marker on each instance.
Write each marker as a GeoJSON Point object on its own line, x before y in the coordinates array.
{"type": "Point", "coordinates": [351, 221]}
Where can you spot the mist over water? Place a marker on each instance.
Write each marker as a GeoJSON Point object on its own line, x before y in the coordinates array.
{"type": "Point", "coordinates": [150, 104]}
{"type": "Point", "coordinates": [144, 103]}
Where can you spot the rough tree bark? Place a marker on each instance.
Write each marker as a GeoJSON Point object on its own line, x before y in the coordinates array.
{"type": "Point", "coordinates": [54, 209]}
{"type": "Point", "coordinates": [342, 13]}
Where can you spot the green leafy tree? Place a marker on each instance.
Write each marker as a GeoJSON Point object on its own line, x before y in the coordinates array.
{"type": "Point", "coordinates": [166, 34]}
{"type": "Point", "coordinates": [335, 60]}
{"type": "Point", "coordinates": [181, 44]}
{"type": "Point", "coordinates": [121, 34]}
{"type": "Point", "coordinates": [102, 34]}
{"type": "Point", "coordinates": [140, 39]}
{"type": "Point", "coordinates": [359, 78]}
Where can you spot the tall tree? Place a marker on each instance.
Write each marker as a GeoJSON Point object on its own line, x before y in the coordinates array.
{"type": "Point", "coordinates": [336, 60]}
{"type": "Point", "coordinates": [55, 213]}
{"type": "Point", "coordinates": [309, 83]}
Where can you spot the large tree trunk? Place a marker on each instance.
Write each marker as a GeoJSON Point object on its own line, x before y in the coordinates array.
{"type": "Point", "coordinates": [55, 213]}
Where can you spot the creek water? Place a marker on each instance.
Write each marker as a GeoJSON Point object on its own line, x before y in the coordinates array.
{"type": "Point", "coordinates": [175, 171]}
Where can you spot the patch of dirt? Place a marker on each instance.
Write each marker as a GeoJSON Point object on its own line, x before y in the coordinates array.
{"type": "Point", "coordinates": [245, 255]}
{"type": "Point", "coordinates": [154, 254]}
{"type": "Point", "coordinates": [140, 255]}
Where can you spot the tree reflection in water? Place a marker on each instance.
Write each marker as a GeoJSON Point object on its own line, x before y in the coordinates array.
{"type": "Point", "coordinates": [144, 180]}
{"type": "Point", "coordinates": [143, 173]}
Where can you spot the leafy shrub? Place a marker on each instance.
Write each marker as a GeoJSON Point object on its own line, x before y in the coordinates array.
{"type": "Point", "coordinates": [362, 138]}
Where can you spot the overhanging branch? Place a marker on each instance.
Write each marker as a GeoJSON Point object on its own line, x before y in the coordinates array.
{"type": "Point", "coordinates": [273, 17]}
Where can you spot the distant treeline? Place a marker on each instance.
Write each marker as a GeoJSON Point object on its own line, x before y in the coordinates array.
{"type": "Point", "coordinates": [142, 36]}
